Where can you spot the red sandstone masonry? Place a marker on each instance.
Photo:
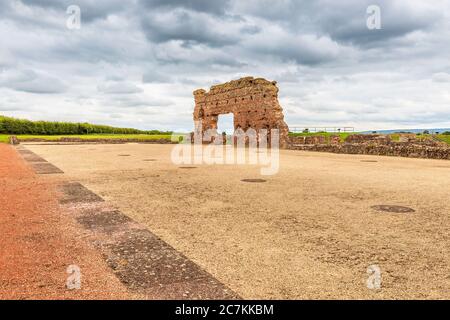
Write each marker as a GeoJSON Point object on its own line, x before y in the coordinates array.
{"type": "Point", "coordinates": [253, 102]}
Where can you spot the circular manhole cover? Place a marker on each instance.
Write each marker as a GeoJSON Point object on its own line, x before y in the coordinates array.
{"type": "Point", "coordinates": [124, 155]}
{"type": "Point", "coordinates": [253, 180]}
{"type": "Point", "coordinates": [369, 161]}
{"type": "Point", "coordinates": [394, 209]}
{"type": "Point", "coordinates": [187, 167]}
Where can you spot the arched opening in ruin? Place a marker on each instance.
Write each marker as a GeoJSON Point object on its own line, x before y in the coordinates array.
{"type": "Point", "coordinates": [225, 123]}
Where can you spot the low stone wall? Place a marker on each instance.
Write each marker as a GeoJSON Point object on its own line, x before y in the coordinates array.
{"type": "Point", "coordinates": [13, 140]}
{"type": "Point", "coordinates": [373, 144]}
{"type": "Point", "coordinates": [365, 138]}
{"type": "Point", "coordinates": [100, 141]}
{"type": "Point", "coordinates": [308, 140]}
{"type": "Point", "coordinates": [394, 149]}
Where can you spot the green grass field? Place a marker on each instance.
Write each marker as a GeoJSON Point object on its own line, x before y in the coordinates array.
{"type": "Point", "coordinates": [143, 137]}
{"type": "Point", "coordinates": [342, 135]}
{"type": "Point", "coordinates": [445, 138]}
{"type": "Point", "coordinates": [4, 138]}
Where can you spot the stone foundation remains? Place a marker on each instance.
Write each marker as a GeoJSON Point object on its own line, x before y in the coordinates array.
{"type": "Point", "coordinates": [371, 144]}
{"type": "Point", "coordinates": [13, 140]}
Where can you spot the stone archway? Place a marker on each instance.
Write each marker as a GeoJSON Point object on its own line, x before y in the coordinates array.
{"type": "Point", "coordinates": [253, 103]}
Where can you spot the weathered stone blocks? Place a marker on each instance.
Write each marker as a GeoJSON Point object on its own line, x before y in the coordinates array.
{"type": "Point", "coordinates": [253, 103]}
{"type": "Point", "coordinates": [13, 140]}
{"type": "Point", "coordinates": [375, 145]}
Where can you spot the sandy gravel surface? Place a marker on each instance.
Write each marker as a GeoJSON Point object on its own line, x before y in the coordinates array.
{"type": "Point", "coordinates": [307, 232]}
{"type": "Point", "coordinates": [39, 241]}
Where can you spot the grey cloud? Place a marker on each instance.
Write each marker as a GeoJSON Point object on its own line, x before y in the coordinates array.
{"type": "Point", "coordinates": [397, 20]}
{"type": "Point", "coordinates": [118, 88]}
{"type": "Point", "coordinates": [441, 77]}
{"type": "Point", "coordinates": [90, 10]}
{"type": "Point", "coordinates": [137, 100]}
{"type": "Point", "coordinates": [155, 77]}
{"type": "Point", "coordinates": [187, 26]}
{"type": "Point", "coordinates": [209, 6]}
{"type": "Point", "coordinates": [306, 49]}
{"type": "Point", "coordinates": [345, 20]}
{"type": "Point", "coordinates": [195, 57]}
{"type": "Point", "coordinates": [250, 29]}
{"type": "Point", "coordinates": [37, 86]}
{"type": "Point", "coordinates": [10, 106]}
{"type": "Point", "coordinates": [31, 82]}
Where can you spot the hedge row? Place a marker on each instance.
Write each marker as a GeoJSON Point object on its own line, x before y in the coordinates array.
{"type": "Point", "coordinates": [19, 126]}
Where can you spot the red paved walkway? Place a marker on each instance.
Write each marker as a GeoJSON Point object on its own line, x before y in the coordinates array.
{"type": "Point", "coordinates": [39, 241]}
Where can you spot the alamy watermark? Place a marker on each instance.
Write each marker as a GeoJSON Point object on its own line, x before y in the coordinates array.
{"type": "Point", "coordinates": [373, 282]}
{"type": "Point", "coordinates": [256, 147]}
{"type": "Point", "coordinates": [373, 21]}
{"type": "Point", "coordinates": [73, 22]}
{"type": "Point", "coordinates": [73, 281]}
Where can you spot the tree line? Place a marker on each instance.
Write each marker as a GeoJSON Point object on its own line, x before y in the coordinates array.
{"type": "Point", "coordinates": [10, 125]}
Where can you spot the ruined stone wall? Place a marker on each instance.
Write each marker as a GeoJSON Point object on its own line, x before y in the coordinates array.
{"type": "Point", "coordinates": [375, 145]}
{"type": "Point", "coordinates": [368, 138]}
{"type": "Point", "coordinates": [13, 140]}
{"type": "Point", "coordinates": [308, 140]}
{"type": "Point", "coordinates": [394, 149]}
{"type": "Point", "coordinates": [253, 102]}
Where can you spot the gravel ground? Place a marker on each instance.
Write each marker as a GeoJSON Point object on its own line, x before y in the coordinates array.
{"type": "Point", "coordinates": [39, 241]}
{"type": "Point", "coordinates": [309, 231]}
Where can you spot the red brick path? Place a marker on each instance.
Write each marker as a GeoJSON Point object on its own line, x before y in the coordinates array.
{"type": "Point", "coordinates": [38, 241]}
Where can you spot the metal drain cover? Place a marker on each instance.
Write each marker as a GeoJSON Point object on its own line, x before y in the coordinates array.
{"type": "Point", "coordinates": [187, 167]}
{"type": "Point", "coordinates": [253, 180]}
{"type": "Point", "coordinates": [395, 209]}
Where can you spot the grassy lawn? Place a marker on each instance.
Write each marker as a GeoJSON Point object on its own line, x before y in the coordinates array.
{"type": "Point", "coordinates": [4, 138]}
{"type": "Point", "coordinates": [342, 135]}
{"type": "Point", "coordinates": [442, 137]}
{"type": "Point", "coordinates": [98, 136]}
{"type": "Point", "coordinates": [445, 138]}
{"type": "Point", "coordinates": [143, 137]}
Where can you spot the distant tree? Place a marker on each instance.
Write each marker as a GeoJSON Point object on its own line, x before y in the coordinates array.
{"type": "Point", "coordinates": [426, 132]}
{"type": "Point", "coordinates": [306, 130]}
{"type": "Point", "coordinates": [21, 126]}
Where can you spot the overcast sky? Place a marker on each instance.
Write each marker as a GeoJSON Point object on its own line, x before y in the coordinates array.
{"type": "Point", "coordinates": [136, 63]}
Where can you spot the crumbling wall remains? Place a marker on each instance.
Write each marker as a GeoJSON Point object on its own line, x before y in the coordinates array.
{"type": "Point", "coordinates": [13, 140]}
{"type": "Point", "coordinates": [374, 144]}
{"type": "Point", "coordinates": [253, 103]}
